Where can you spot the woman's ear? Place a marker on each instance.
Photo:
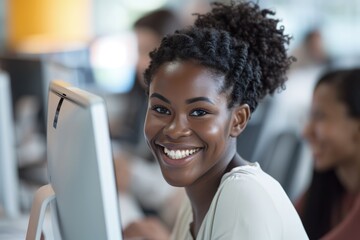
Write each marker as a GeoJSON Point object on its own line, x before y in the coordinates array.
{"type": "Point", "coordinates": [241, 116]}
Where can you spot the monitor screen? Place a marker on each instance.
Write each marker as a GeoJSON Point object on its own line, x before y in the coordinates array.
{"type": "Point", "coordinates": [80, 165]}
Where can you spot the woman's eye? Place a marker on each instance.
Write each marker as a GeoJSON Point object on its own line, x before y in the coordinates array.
{"type": "Point", "coordinates": [161, 110]}
{"type": "Point", "coordinates": [198, 113]}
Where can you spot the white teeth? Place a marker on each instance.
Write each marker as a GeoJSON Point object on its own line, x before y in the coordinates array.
{"type": "Point", "coordinates": [178, 154]}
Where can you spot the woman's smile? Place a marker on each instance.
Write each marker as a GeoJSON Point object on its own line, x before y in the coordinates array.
{"type": "Point", "coordinates": [177, 156]}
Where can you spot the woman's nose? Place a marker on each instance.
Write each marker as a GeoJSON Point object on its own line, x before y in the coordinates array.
{"type": "Point", "coordinates": [178, 127]}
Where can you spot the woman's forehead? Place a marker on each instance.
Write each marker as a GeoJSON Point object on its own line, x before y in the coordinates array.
{"type": "Point", "coordinates": [186, 80]}
{"type": "Point", "coordinates": [187, 73]}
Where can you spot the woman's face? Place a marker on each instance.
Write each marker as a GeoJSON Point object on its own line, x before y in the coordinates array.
{"type": "Point", "coordinates": [332, 134]}
{"type": "Point", "coordinates": [188, 124]}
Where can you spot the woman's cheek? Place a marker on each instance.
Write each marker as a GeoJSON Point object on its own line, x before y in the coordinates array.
{"type": "Point", "coordinates": [152, 126]}
{"type": "Point", "coordinates": [321, 132]}
{"type": "Point", "coordinates": [147, 127]}
{"type": "Point", "coordinates": [210, 129]}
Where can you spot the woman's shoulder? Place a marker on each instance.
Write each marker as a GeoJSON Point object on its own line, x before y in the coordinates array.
{"type": "Point", "coordinates": [248, 197]}
{"type": "Point", "coordinates": [247, 182]}
{"type": "Point", "coordinates": [349, 226]}
{"type": "Point", "coordinates": [250, 186]}
{"type": "Point", "coordinates": [251, 173]}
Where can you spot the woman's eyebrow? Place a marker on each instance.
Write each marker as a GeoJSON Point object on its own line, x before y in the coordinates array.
{"type": "Point", "coordinates": [188, 101]}
{"type": "Point", "coordinates": [197, 99]}
{"type": "Point", "coordinates": [161, 97]}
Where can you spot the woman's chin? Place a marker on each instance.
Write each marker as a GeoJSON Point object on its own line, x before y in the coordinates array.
{"type": "Point", "coordinates": [175, 179]}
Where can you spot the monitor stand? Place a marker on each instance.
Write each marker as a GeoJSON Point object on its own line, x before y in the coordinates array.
{"type": "Point", "coordinates": [43, 197]}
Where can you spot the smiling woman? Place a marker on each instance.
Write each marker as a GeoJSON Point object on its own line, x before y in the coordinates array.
{"type": "Point", "coordinates": [204, 82]}
{"type": "Point", "coordinates": [187, 114]}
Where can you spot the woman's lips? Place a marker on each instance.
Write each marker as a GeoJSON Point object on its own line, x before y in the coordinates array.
{"type": "Point", "coordinates": [178, 156]}
{"type": "Point", "coordinates": [180, 153]}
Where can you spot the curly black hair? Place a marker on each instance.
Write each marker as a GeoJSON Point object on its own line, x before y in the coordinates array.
{"type": "Point", "coordinates": [239, 41]}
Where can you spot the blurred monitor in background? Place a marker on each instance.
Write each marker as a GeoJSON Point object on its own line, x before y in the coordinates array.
{"type": "Point", "coordinates": [9, 195]}
{"type": "Point", "coordinates": [28, 97]}
{"type": "Point", "coordinates": [29, 80]}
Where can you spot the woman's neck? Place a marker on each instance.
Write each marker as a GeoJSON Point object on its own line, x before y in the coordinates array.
{"type": "Point", "coordinates": [202, 193]}
{"type": "Point", "coordinates": [349, 176]}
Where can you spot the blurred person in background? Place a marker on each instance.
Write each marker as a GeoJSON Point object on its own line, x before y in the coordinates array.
{"type": "Point", "coordinates": [290, 108]}
{"type": "Point", "coordinates": [330, 208]}
{"type": "Point", "coordinates": [312, 51]}
{"type": "Point", "coordinates": [143, 191]}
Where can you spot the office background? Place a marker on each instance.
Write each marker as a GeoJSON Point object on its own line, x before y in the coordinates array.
{"type": "Point", "coordinates": [109, 22]}
{"type": "Point", "coordinates": [339, 21]}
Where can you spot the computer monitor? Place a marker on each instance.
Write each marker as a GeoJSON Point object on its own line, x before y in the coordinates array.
{"type": "Point", "coordinates": [9, 196]}
{"type": "Point", "coordinates": [80, 168]}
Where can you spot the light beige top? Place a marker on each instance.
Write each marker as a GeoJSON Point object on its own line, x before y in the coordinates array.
{"type": "Point", "coordinates": [249, 204]}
